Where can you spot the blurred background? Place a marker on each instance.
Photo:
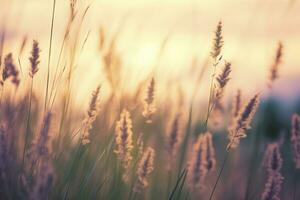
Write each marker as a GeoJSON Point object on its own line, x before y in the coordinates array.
{"type": "Point", "coordinates": [173, 35]}
{"type": "Point", "coordinates": [171, 41]}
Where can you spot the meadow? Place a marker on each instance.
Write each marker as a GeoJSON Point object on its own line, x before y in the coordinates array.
{"type": "Point", "coordinates": [196, 134]}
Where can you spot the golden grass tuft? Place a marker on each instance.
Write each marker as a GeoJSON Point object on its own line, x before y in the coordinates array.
{"type": "Point", "coordinates": [149, 107]}
{"type": "Point", "coordinates": [218, 42]}
{"type": "Point", "coordinates": [197, 165]}
{"type": "Point", "coordinates": [145, 167]}
{"type": "Point", "coordinates": [274, 67]}
{"type": "Point", "coordinates": [90, 116]}
{"type": "Point", "coordinates": [34, 59]}
{"type": "Point", "coordinates": [173, 139]}
{"type": "Point", "coordinates": [123, 138]}
{"type": "Point", "coordinates": [242, 122]}
{"type": "Point", "coordinates": [221, 81]}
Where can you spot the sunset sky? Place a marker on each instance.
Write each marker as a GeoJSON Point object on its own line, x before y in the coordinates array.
{"type": "Point", "coordinates": [252, 29]}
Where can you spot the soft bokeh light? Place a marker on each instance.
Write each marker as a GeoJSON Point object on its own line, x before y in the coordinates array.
{"type": "Point", "coordinates": [251, 32]}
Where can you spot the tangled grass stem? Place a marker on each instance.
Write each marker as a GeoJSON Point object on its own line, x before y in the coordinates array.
{"type": "Point", "coordinates": [181, 178]}
{"type": "Point", "coordinates": [219, 175]}
{"type": "Point", "coordinates": [77, 157]}
{"type": "Point", "coordinates": [211, 91]}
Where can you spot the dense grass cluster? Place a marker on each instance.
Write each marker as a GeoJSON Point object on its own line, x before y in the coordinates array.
{"type": "Point", "coordinates": [132, 146]}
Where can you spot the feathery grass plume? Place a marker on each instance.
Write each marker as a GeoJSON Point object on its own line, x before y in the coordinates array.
{"type": "Point", "coordinates": [223, 78]}
{"type": "Point", "coordinates": [173, 139]}
{"type": "Point", "coordinates": [43, 141]}
{"type": "Point", "coordinates": [273, 163]}
{"type": "Point", "coordinates": [218, 43]}
{"type": "Point", "coordinates": [90, 116]}
{"type": "Point", "coordinates": [295, 139]}
{"type": "Point", "coordinates": [145, 167]}
{"type": "Point", "coordinates": [274, 67]}
{"type": "Point", "coordinates": [44, 182]}
{"type": "Point", "coordinates": [209, 151]}
{"type": "Point", "coordinates": [149, 107]}
{"type": "Point", "coordinates": [10, 70]}
{"type": "Point", "coordinates": [237, 104]}
{"type": "Point", "coordinates": [66, 39]}
{"type": "Point", "coordinates": [273, 187]}
{"type": "Point", "coordinates": [44, 171]}
{"type": "Point", "coordinates": [140, 144]}
{"type": "Point", "coordinates": [197, 166]}
{"type": "Point", "coordinates": [221, 81]}
{"type": "Point", "coordinates": [34, 59]}
{"type": "Point", "coordinates": [41, 147]}
{"type": "Point", "coordinates": [242, 122]}
{"type": "Point", "coordinates": [123, 138]}
{"type": "Point", "coordinates": [215, 54]}
{"type": "Point", "coordinates": [273, 160]}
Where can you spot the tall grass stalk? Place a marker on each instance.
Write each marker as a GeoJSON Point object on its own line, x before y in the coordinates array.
{"type": "Point", "coordinates": [219, 174]}
{"type": "Point", "coordinates": [190, 116]}
{"type": "Point", "coordinates": [67, 94]}
{"type": "Point", "coordinates": [238, 130]}
{"type": "Point", "coordinates": [93, 168]}
{"type": "Point", "coordinates": [211, 95]}
{"type": "Point", "coordinates": [49, 53]}
{"type": "Point", "coordinates": [181, 179]}
{"type": "Point", "coordinates": [27, 122]}
{"type": "Point", "coordinates": [181, 186]}
{"type": "Point", "coordinates": [20, 66]}
{"type": "Point", "coordinates": [77, 157]}
{"type": "Point", "coordinates": [257, 141]}
{"type": "Point", "coordinates": [66, 36]}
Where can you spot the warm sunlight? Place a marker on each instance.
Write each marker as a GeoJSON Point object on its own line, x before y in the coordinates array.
{"type": "Point", "coordinates": [149, 99]}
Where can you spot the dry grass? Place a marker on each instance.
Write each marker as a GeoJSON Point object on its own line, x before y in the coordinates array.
{"type": "Point", "coordinates": [137, 144]}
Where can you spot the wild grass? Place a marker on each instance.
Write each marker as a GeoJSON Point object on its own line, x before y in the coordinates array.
{"type": "Point", "coordinates": [137, 144]}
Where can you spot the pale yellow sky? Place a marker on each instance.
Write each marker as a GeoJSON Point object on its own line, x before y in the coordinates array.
{"type": "Point", "coordinates": [252, 29]}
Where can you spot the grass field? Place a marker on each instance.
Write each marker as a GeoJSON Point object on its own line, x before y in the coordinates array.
{"type": "Point", "coordinates": [101, 113]}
